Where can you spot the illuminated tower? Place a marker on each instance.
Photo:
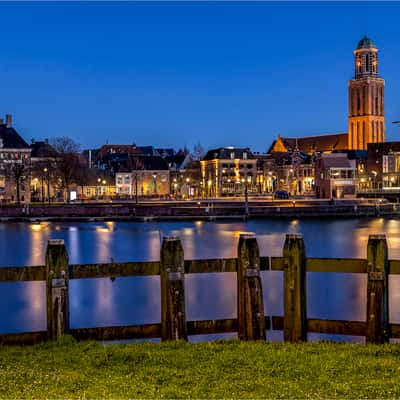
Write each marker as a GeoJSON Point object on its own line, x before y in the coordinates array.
{"type": "Point", "coordinates": [366, 94]}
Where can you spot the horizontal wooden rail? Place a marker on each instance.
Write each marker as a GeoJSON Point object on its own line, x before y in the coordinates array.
{"type": "Point", "coordinates": [112, 270]}
{"type": "Point", "coordinates": [206, 327]}
{"type": "Point", "coordinates": [340, 265]}
{"type": "Point", "coordinates": [148, 331]}
{"type": "Point", "coordinates": [23, 338]}
{"type": "Point", "coordinates": [394, 267]}
{"type": "Point", "coordinates": [211, 265]}
{"type": "Point", "coordinates": [22, 274]}
{"type": "Point", "coordinates": [149, 268]}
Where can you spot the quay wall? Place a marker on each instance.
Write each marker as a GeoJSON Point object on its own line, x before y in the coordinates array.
{"type": "Point", "coordinates": [192, 210]}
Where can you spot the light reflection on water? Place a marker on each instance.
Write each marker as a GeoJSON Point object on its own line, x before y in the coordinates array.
{"type": "Point", "coordinates": [101, 302]}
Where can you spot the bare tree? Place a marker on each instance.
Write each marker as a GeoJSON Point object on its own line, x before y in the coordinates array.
{"type": "Point", "coordinates": [136, 164]}
{"type": "Point", "coordinates": [18, 173]}
{"type": "Point", "coordinates": [68, 162]}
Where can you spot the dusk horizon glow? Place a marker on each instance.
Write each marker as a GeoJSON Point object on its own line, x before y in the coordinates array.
{"type": "Point", "coordinates": [175, 74]}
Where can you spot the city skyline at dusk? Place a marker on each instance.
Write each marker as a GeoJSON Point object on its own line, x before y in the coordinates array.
{"type": "Point", "coordinates": [180, 73]}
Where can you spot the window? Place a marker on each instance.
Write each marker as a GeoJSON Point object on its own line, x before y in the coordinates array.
{"type": "Point", "coordinates": [232, 155]}
{"type": "Point", "coordinates": [244, 155]}
{"type": "Point", "coordinates": [127, 180]}
{"type": "Point", "coordinates": [249, 166]}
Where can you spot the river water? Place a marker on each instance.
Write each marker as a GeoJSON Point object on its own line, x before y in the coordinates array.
{"type": "Point", "coordinates": [136, 300]}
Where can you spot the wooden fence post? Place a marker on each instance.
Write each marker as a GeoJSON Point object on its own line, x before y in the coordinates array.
{"type": "Point", "coordinates": [250, 306]}
{"type": "Point", "coordinates": [377, 290]}
{"type": "Point", "coordinates": [295, 305]}
{"type": "Point", "coordinates": [173, 315]}
{"type": "Point", "coordinates": [57, 289]}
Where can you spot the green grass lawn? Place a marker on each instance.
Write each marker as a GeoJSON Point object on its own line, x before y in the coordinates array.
{"type": "Point", "coordinates": [232, 369]}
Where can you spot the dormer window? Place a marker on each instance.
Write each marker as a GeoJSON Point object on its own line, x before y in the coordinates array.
{"type": "Point", "coordinates": [232, 155]}
{"type": "Point", "coordinates": [244, 155]}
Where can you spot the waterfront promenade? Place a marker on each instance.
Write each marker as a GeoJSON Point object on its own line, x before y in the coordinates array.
{"type": "Point", "coordinates": [207, 209]}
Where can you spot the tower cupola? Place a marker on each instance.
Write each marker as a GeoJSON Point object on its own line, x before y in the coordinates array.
{"type": "Point", "coordinates": [366, 59]}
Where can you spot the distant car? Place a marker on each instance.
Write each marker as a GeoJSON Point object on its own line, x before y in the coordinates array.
{"type": "Point", "coordinates": [281, 195]}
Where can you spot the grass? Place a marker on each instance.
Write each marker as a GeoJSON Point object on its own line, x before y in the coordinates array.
{"type": "Point", "coordinates": [231, 369]}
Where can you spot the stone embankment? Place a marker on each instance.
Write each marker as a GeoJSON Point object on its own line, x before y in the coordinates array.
{"type": "Point", "coordinates": [203, 209]}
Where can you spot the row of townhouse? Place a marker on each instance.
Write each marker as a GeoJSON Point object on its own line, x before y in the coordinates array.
{"type": "Point", "coordinates": [320, 166]}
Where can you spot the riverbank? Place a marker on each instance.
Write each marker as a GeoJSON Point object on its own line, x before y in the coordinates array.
{"type": "Point", "coordinates": [198, 210]}
{"type": "Point", "coordinates": [232, 369]}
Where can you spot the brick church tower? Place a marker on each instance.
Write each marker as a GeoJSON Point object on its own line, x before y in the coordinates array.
{"type": "Point", "coordinates": [366, 94]}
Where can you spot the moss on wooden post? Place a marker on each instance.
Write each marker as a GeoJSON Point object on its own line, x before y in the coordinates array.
{"type": "Point", "coordinates": [295, 305]}
{"type": "Point", "coordinates": [173, 315]}
{"type": "Point", "coordinates": [377, 290]}
{"type": "Point", "coordinates": [57, 289]}
{"type": "Point", "coordinates": [250, 306]}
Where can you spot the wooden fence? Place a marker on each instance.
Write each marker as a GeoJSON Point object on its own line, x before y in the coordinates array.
{"type": "Point", "coordinates": [250, 324]}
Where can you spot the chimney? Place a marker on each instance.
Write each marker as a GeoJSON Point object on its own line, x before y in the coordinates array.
{"type": "Point", "coordinates": [46, 141]}
{"type": "Point", "coordinates": [33, 141]}
{"type": "Point", "coordinates": [8, 121]}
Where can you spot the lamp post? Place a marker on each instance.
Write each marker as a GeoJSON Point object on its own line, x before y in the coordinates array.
{"type": "Point", "coordinates": [43, 188]}
{"type": "Point", "coordinates": [188, 186]}
{"type": "Point", "coordinates": [45, 175]}
{"type": "Point", "coordinates": [246, 181]}
{"type": "Point", "coordinates": [374, 173]}
{"type": "Point", "coordinates": [98, 188]}
{"type": "Point", "coordinates": [104, 185]}
{"type": "Point", "coordinates": [48, 184]}
{"type": "Point", "coordinates": [155, 183]}
{"type": "Point", "coordinates": [136, 188]}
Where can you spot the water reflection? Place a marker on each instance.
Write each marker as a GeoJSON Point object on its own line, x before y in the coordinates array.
{"type": "Point", "coordinates": [100, 302]}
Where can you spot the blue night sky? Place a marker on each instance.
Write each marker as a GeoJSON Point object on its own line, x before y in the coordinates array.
{"type": "Point", "coordinates": [174, 74]}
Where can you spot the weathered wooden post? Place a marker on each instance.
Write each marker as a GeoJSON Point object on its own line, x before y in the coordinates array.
{"type": "Point", "coordinates": [57, 289]}
{"type": "Point", "coordinates": [294, 277]}
{"type": "Point", "coordinates": [250, 308]}
{"type": "Point", "coordinates": [173, 315]}
{"type": "Point", "coordinates": [377, 290]}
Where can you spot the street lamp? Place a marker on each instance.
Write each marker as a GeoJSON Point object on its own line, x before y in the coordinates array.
{"type": "Point", "coordinates": [188, 186]}
{"type": "Point", "coordinates": [45, 170]}
{"type": "Point", "coordinates": [98, 188]}
{"type": "Point", "coordinates": [155, 183]}
{"type": "Point", "coordinates": [374, 173]}
{"type": "Point", "coordinates": [104, 184]}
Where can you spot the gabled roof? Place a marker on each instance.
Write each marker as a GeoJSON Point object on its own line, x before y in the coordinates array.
{"type": "Point", "coordinates": [147, 163]}
{"type": "Point", "coordinates": [169, 152]}
{"type": "Point", "coordinates": [338, 160]}
{"type": "Point", "coordinates": [178, 161]}
{"type": "Point", "coordinates": [224, 153]}
{"type": "Point", "coordinates": [42, 149]}
{"type": "Point", "coordinates": [147, 151]}
{"type": "Point", "coordinates": [11, 139]}
{"type": "Point", "coordinates": [290, 158]}
{"type": "Point", "coordinates": [116, 148]}
{"type": "Point", "coordinates": [311, 144]}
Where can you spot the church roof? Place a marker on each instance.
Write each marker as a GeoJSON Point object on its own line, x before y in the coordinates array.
{"type": "Point", "coordinates": [365, 42]}
{"type": "Point", "coordinates": [311, 144]}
